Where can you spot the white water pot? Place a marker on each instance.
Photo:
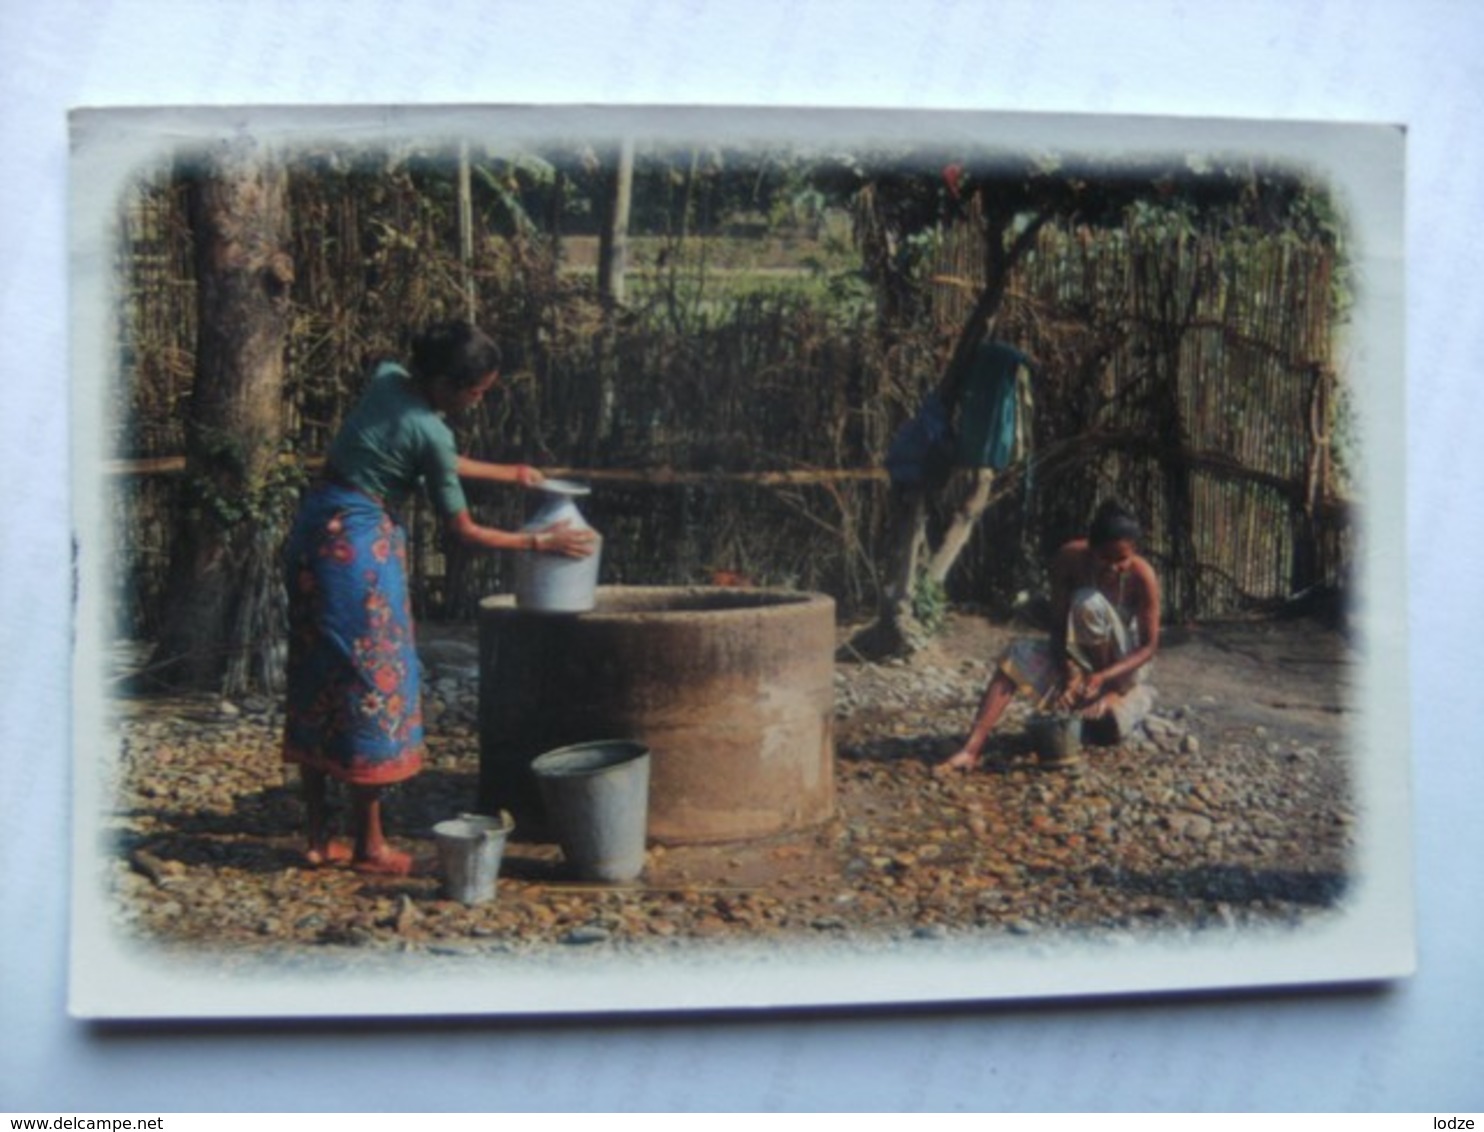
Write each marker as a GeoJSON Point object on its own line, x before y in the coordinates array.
{"type": "Point", "coordinates": [554, 583]}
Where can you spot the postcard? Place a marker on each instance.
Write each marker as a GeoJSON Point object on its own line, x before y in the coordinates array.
{"type": "Point", "coordinates": [548, 560]}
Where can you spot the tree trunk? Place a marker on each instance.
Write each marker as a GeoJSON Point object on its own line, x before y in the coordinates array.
{"type": "Point", "coordinates": [895, 631]}
{"type": "Point", "coordinates": [224, 627]}
{"type": "Point", "coordinates": [965, 518]}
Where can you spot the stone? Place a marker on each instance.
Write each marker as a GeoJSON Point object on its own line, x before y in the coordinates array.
{"type": "Point", "coordinates": [451, 654]}
{"type": "Point", "coordinates": [407, 914]}
{"type": "Point", "coordinates": [587, 934]}
{"type": "Point", "coordinates": [1158, 727]}
{"type": "Point", "coordinates": [1196, 827]}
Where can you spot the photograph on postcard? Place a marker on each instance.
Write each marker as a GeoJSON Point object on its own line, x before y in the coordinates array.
{"type": "Point", "coordinates": [549, 560]}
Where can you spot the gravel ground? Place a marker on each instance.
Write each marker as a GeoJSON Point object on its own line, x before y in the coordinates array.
{"type": "Point", "coordinates": [1234, 810]}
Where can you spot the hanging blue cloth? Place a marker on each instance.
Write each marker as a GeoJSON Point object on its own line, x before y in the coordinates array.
{"type": "Point", "coordinates": [921, 451]}
{"type": "Point", "coordinates": [987, 408]}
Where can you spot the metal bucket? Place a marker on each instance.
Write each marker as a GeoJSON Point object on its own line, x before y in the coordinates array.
{"type": "Point", "coordinates": [597, 797]}
{"type": "Point", "coordinates": [554, 583]}
{"type": "Point", "coordinates": [469, 850]}
{"type": "Point", "coordinates": [1057, 736]}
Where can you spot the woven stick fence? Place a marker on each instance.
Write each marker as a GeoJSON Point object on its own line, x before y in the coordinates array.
{"type": "Point", "coordinates": [747, 440]}
{"type": "Point", "coordinates": [1194, 379]}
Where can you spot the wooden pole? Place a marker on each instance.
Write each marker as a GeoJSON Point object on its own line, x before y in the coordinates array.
{"type": "Point", "coordinates": [466, 231]}
{"type": "Point", "coordinates": [656, 477]}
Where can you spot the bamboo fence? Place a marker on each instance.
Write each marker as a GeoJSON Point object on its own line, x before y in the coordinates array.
{"type": "Point", "coordinates": [746, 437]}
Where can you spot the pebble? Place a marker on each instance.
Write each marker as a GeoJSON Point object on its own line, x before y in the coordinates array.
{"type": "Point", "coordinates": [407, 915]}
{"type": "Point", "coordinates": [1010, 848]}
{"type": "Point", "coordinates": [1197, 827]}
{"type": "Point", "coordinates": [587, 935]}
{"type": "Point", "coordinates": [1159, 728]}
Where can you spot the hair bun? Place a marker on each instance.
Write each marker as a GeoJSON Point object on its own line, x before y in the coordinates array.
{"type": "Point", "coordinates": [1113, 522]}
{"type": "Point", "coordinates": [456, 350]}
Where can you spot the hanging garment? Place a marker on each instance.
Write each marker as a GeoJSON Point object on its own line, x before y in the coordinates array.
{"type": "Point", "coordinates": [988, 417]}
{"type": "Point", "coordinates": [921, 451]}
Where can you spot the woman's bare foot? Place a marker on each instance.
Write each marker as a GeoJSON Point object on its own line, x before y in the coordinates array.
{"type": "Point", "coordinates": [964, 760]}
{"type": "Point", "coordinates": [330, 853]}
{"type": "Point", "coordinates": [388, 862]}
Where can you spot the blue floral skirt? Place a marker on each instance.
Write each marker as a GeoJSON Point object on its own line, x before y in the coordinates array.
{"type": "Point", "coordinates": [354, 706]}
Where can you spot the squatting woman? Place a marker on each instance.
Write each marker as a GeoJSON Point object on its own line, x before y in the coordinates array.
{"type": "Point", "coordinates": [1105, 606]}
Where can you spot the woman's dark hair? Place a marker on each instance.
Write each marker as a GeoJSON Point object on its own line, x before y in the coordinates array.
{"type": "Point", "coordinates": [459, 351]}
{"type": "Point", "coordinates": [1113, 521]}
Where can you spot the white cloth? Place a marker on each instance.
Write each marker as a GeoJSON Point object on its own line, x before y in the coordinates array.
{"type": "Point", "coordinates": [1095, 629]}
{"type": "Point", "coordinates": [1098, 632]}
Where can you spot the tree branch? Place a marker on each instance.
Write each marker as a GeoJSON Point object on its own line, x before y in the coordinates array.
{"type": "Point", "coordinates": [998, 262]}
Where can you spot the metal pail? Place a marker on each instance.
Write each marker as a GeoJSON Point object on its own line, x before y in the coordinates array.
{"type": "Point", "coordinates": [470, 847]}
{"type": "Point", "coordinates": [597, 797]}
{"type": "Point", "coordinates": [1057, 736]}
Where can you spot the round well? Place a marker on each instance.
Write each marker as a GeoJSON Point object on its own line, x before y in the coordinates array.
{"type": "Point", "coordinates": [732, 691]}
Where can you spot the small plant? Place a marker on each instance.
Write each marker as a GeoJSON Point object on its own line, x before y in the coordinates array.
{"type": "Point", "coordinates": [230, 494]}
{"type": "Point", "coordinates": [929, 604]}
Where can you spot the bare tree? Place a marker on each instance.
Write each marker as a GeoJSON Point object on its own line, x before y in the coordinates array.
{"type": "Point", "coordinates": [1010, 231]}
{"type": "Point", "coordinates": [1016, 200]}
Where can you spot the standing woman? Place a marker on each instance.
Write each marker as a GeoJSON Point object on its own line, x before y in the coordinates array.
{"type": "Point", "coordinates": [354, 708]}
